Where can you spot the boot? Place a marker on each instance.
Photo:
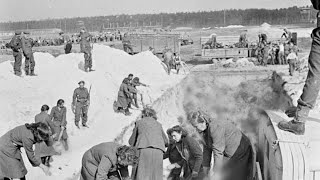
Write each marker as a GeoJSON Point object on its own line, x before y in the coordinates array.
{"type": "Point", "coordinates": [27, 72]}
{"type": "Point", "coordinates": [90, 70]}
{"type": "Point", "coordinates": [77, 124]}
{"type": "Point", "coordinates": [66, 145]}
{"type": "Point", "coordinates": [85, 125]}
{"type": "Point", "coordinates": [293, 126]}
{"type": "Point", "coordinates": [86, 70]}
{"type": "Point", "coordinates": [32, 73]}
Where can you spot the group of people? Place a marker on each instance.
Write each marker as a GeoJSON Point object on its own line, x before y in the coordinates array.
{"type": "Point", "coordinates": [48, 133]}
{"type": "Point", "coordinates": [20, 44]}
{"type": "Point", "coordinates": [43, 133]}
{"type": "Point", "coordinates": [128, 95]}
{"type": "Point", "coordinates": [189, 158]}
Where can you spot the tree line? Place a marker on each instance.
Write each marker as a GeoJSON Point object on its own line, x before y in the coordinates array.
{"type": "Point", "coordinates": [199, 19]}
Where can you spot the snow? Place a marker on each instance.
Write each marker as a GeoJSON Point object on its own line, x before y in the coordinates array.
{"type": "Point", "coordinates": [232, 26]}
{"type": "Point", "coordinates": [57, 78]}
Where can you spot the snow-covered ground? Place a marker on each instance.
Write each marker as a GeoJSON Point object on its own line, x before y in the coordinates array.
{"type": "Point", "coordinates": [22, 97]}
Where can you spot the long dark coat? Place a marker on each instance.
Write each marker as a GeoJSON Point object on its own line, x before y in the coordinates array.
{"type": "Point", "coordinates": [11, 162]}
{"type": "Point", "coordinates": [123, 96]}
{"type": "Point", "coordinates": [100, 161]}
{"type": "Point", "coordinates": [150, 140]}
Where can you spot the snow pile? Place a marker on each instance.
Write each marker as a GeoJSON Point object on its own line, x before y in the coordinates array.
{"type": "Point", "coordinates": [265, 25]}
{"type": "Point", "coordinates": [233, 63]}
{"type": "Point", "coordinates": [58, 77]}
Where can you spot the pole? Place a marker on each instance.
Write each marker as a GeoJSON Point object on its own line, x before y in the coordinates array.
{"type": "Point", "coordinates": [224, 17]}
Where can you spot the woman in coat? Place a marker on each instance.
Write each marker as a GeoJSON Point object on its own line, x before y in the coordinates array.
{"type": "Point", "coordinates": [58, 115]}
{"type": "Point", "coordinates": [107, 160]}
{"type": "Point", "coordinates": [150, 140]}
{"type": "Point", "coordinates": [184, 154]}
{"type": "Point", "coordinates": [11, 162]}
{"type": "Point", "coordinates": [43, 151]}
{"type": "Point", "coordinates": [232, 150]}
{"type": "Point", "coordinates": [124, 97]}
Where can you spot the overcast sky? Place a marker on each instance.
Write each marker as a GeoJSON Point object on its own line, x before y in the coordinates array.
{"type": "Point", "coordinates": [20, 10]}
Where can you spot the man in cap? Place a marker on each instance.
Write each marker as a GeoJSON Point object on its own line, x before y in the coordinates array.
{"type": "Point", "coordinates": [80, 104]}
{"type": "Point", "coordinates": [27, 44]}
{"type": "Point", "coordinates": [311, 88]}
{"type": "Point", "coordinates": [15, 45]}
{"type": "Point", "coordinates": [86, 49]}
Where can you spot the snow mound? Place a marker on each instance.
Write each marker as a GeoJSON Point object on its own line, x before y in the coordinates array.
{"type": "Point", "coordinates": [57, 78]}
{"type": "Point", "coordinates": [265, 25]}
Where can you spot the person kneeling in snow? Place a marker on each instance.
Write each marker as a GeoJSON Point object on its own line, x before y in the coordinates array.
{"type": "Point", "coordinates": [108, 161]}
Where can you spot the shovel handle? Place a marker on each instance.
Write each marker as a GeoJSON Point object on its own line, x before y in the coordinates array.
{"type": "Point", "coordinates": [60, 135]}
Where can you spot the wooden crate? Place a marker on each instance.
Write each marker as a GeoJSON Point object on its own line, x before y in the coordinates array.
{"type": "Point", "coordinates": [142, 42]}
{"type": "Point", "coordinates": [225, 53]}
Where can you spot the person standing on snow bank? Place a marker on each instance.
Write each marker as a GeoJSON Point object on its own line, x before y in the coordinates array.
{"type": "Point", "coordinates": [43, 151]}
{"type": "Point", "coordinates": [27, 44]}
{"type": "Point", "coordinates": [80, 104]}
{"type": "Point", "coordinates": [59, 118]}
{"type": "Point", "coordinates": [150, 140]}
{"type": "Point", "coordinates": [15, 45]}
{"type": "Point", "coordinates": [107, 161]}
{"type": "Point", "coordinates": [311, 88]}
{"type": "Point", "coordinates": [225, 141]}
{"type": "Point", "coordinates": [11, 162]}
{"type": "Point", "coordinates": [124, 98]}
{"type": "Point", "coordinates": [168, 59]}
{"type": "Point", "coordinates": [85, 48]}
{"type": "Point", "coordinates": [136, 82]}
{"type": "Point", "coordinates": [127, 46]}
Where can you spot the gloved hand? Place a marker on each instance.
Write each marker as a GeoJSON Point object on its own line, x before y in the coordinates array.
{"type": "Point", "coordinates": [88, 103]}
{"type": "Point", "coordinates": [194, 174]}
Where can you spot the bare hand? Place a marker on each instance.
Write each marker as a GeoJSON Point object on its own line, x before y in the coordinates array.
{"type": "Point", "coordinates": [45, 169]}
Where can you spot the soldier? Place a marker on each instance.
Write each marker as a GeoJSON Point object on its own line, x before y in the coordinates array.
{"type": "Point", "coordinates": [86, 49]}
{"type": "Point", "coordinates": [80, 104]}
{"type": "Point", "coordinates": [311, 88]}
{"type": "Point", "coordinates": [27, 44]}
{"type": "Point", "coordinates": [15, 45]}
{"type": "Point", "coordinates": [292, 60]}
{"type": "Point", "coordinates": [168, 59]}
{"type": "Point", "coordinates": [243, 42]}
{"type": "Point", "coordinates": [68, 47]}
{"type": "Point", "coordinates": [127, 44]}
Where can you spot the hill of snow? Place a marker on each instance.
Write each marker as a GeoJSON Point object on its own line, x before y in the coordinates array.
{"type": "Point", "coordinates": [21, 98]}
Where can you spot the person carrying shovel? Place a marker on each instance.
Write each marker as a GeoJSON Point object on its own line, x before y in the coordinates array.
{"type": "Point", "coordinates": [58, 116]}
{"type": "Point", "coordinates": [80, 104]}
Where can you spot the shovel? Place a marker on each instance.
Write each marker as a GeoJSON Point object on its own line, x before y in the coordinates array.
{"type": "Point", "coordinates": [58, 146]}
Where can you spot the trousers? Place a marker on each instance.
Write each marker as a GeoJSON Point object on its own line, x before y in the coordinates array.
{"type": "Point", "coordinates": [311, 88]}
{"type": "Point", "coordinates": [81, 112]}
{"type": "Point", "coordinates": [87, 60]}
{"type": "Point", "coordinates": [29, 62]}
{"type": "Point", "coordinates": [17, 62]}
